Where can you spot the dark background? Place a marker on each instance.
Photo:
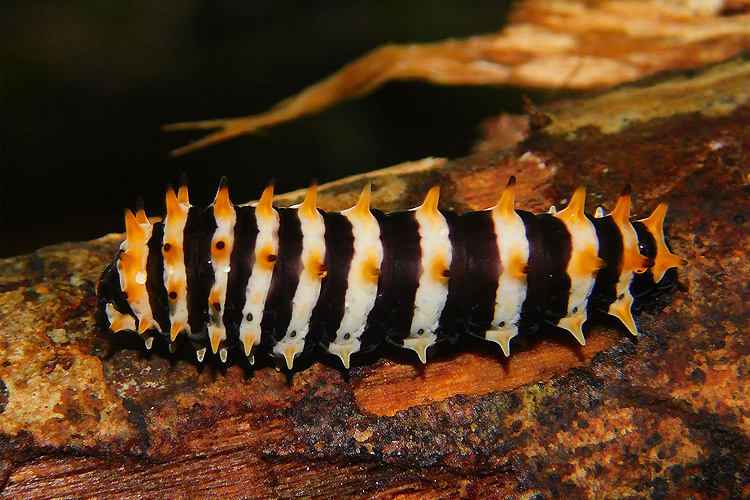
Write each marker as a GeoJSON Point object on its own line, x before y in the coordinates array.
{"type": "Point", "coordinates": [86, 86]}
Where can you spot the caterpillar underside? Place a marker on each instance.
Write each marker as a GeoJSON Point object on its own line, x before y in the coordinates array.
{"type": "Point", "coordinates": [291, 281]}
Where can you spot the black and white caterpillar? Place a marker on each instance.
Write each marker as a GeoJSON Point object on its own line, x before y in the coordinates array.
{"type": "Point", "coordinates": [285, 281]}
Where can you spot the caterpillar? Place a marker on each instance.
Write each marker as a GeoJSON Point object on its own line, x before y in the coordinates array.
{"type": "Point", "coordinates": [286, 281]}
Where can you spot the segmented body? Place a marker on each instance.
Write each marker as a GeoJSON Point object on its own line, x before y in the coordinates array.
{"type": "Point", "coordinates": [287, 281]}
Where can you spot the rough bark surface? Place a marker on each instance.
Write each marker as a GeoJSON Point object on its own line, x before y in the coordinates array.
{"type": "Point", "coordinates": [85, 413]}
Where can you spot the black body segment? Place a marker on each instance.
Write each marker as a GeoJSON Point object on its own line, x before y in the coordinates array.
{"type": "Point", "coordinates": [548, 282]}
{"type": "Point", "coordinates": [474, 274]}
{"type": "Point", "coordinates": [611, 251]}
{"type": "Point", "coordinates": [328, 312]}
{"type": "Point", "coordinates": [278, 311]}
{"type": "Point", "coordinates": [399, 279]}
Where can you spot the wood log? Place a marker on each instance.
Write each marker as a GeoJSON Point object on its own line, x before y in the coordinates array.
{"type": "Point", "coordinates": [85, 413]}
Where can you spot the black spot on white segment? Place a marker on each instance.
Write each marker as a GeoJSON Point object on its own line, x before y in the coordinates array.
{"type": "Point", "coordinates": [291, 282]}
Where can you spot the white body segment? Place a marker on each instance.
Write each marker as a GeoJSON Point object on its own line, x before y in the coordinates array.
{"type": "Point", "coordinates": [621, 307]}
{"type": "Point", "coordinates": [581, 271]}
{"type": "Point", "coordinates": [362, 283]}
{"type": "Point", "coordinates": [220, 260]}
{"type": "Point", "coordinates": [584, 240]}
{"type": "Point", "coordinates": [513, 248]}
{"type": "Point", "coordinates": [175, 273]}
{"type": "Point", "coordinates": [432, 291]}
{"type": "Point", "coordinates": [133, 280]}
{"type": "Point", "coordinates": [259, 282]}
{"type": "Point", "coordinates": [308, 288]}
